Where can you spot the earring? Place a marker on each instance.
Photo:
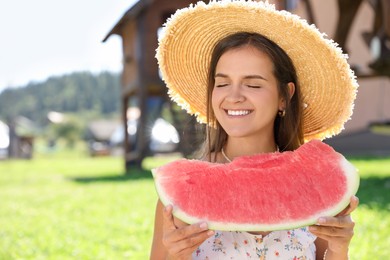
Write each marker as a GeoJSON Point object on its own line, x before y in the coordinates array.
{"type": "Point", "coordinates": [282, 113]}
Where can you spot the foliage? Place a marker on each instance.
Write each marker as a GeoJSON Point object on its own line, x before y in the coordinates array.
{"type": "Point", "coordinates": [70, 130]}
{"type": "Point", "coordinates": [75, 207]}
{"type": "Point", "coordinates": [73, 93]}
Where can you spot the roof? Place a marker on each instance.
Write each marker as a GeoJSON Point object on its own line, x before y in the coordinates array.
{"type": "Point", "coordinates": [23, 127]}
{"type": "Point", "coordinates": [102, 130]}
{"type": "Point", "coordinates": [130, 14]}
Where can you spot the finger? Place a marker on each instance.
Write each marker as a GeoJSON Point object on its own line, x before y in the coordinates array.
{"type": "Point", "coordinates": [168, 218]}
{"type": "Point", "coordinates": [190, 244]}
{"type": "Point", "coordinates": [329, 237]}
{"type": "Point", "coordinates": [192, 230]}
{"type": "Point", "coordinates": [327, 232]}
{"type": "Point", "coordinates": [203, 237]}
{"type": "Point", "coordinates": [354, 202]}
{"type": "Point", "coordinates": [339, 221]}
{"type": "Point", "coordinates": [184, 233]}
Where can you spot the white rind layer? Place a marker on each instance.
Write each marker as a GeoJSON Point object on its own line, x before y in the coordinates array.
{"type": "Point", "coordinates": [352, 181]}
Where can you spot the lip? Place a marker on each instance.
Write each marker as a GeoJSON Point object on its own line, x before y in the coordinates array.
{"type": "Point", "coordinates": [238, 112]}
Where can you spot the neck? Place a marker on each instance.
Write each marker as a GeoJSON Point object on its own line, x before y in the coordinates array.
{"type": "Point", "coordinates": [236, 147]}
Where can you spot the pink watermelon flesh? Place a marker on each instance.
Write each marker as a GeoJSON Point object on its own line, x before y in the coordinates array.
{"type": "Point", "coordinates": [262, 192]}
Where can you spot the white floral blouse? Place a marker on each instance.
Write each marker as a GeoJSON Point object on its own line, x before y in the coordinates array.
{"type": "Point", "coordinates": [282, 245]}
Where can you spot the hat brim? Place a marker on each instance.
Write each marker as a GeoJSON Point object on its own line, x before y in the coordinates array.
{"type": "Point", "coordinates": [327, 83]}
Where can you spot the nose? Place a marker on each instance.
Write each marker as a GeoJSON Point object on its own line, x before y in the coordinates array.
{"type": "Point", "coordinates": [235, 95]}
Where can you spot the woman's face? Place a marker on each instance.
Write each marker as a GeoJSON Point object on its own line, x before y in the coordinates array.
{"type": "Point", "coordinates": [245, 97]}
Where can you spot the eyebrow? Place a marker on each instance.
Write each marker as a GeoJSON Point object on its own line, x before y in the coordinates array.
{"type": "Point", "coordinates": [255, 76]}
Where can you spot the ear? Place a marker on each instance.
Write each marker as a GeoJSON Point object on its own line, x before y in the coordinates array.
{"type": "Point", "coordinates": [291, 91]}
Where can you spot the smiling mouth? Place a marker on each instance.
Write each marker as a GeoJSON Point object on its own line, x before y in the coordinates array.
{"type": "Point", "coordinates": [238, 112]}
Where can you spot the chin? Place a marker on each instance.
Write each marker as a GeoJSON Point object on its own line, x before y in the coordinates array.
{"type": "Point", "coordinates": [238, 133]}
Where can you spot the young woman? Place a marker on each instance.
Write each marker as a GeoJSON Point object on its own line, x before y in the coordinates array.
{"type": "Point", "coordinates": [252, 103]}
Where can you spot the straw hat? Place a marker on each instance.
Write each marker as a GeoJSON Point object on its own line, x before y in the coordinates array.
{"type": "Point", "coordinates": [327, 83]}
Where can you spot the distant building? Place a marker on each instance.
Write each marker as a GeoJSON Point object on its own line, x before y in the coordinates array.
{"type": "Point", "coordinates": [21, 135]}
{"type": "Point", "coordinates": [98, 134]}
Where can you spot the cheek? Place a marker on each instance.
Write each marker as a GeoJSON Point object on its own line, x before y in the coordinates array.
{"type": "Point", "coordinates": [215, 100]}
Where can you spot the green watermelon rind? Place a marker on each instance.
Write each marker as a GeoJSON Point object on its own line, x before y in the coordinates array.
{"type": "Point", "coordinates": [353, 182]}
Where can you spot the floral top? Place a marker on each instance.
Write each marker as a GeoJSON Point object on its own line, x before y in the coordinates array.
{"type": "Point", "coordinates": [282, 245]}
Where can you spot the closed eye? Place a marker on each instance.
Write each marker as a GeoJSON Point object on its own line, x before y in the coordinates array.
{"type": "Point", "coordinates": [253, 86]}
{"type": "Point", "coordinates": [221, 85]}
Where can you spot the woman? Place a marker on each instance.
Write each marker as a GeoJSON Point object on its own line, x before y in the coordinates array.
{"type": "Point", "coordinates": [253, 104]}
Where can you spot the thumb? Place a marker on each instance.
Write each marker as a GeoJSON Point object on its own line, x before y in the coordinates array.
{"type": "Point", "coordinates": [168, 218]}
{"type": "Point", "coordinates": [354, 202]}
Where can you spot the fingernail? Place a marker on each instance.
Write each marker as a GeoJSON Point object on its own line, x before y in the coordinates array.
{"type": "Point", "coordinates": [312, 228]}
{"type": "Point", "coordinates": [321, 220]}
{"type": "Point", "coordinates": [210, 233]}
{"type": "Point", "coordinates": [203, 226]}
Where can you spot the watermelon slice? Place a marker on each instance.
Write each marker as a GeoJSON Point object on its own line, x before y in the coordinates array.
{"type": "Point", "coordinates": [262, 192]}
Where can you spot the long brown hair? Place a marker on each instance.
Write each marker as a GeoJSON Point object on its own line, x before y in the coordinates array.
{"type": "Point", "coordinates": [288, 129]}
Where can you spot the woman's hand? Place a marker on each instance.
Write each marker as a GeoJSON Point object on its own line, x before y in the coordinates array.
{"type": "Point", "coordinates": [181, 242]}
{"type": "Point", "coordinates": [337, 231]}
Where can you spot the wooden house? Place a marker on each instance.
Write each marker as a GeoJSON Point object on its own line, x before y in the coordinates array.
{"type": "Point", "coordinates": [141, 83]}
{"type": "Point", "coordinates": [368, 131]}
{"type": "Point", "coordinates": [98, 134]}
{"type": "Point", "coordinates": [21, 134]}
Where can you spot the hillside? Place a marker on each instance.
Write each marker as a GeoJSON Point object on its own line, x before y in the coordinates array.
{"type": "Point", "coordinates": [73, 93]}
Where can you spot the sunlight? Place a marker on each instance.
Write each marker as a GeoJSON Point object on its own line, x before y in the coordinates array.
{"type": "Point", "coordinates": [164, 132]}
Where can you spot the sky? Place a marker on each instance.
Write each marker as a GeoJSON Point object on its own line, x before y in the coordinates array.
{"type": "Point", "coordinates": [44, 38]}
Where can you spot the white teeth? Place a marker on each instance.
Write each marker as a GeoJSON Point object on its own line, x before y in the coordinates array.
{"type": "Point", "coordinates": [238, 112]}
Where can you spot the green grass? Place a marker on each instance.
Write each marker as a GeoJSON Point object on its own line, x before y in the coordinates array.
{"type": "Point", "coordinates": [76, 207]}
{"type": "Point", "coordinates": [372, 231]}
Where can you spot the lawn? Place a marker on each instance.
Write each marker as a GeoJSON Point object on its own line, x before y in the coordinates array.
{"type": "Point", "coordinates": [77, 207]}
